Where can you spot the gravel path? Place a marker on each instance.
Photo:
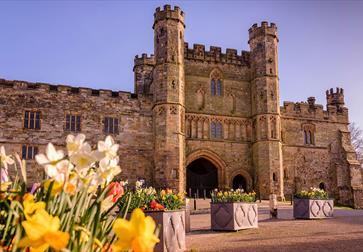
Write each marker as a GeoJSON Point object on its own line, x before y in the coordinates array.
{"type": "Point", "coordinates": [342, 233]}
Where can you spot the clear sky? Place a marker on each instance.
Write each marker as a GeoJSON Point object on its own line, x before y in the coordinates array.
{"type": "Point", "coordinates": [93, 43]}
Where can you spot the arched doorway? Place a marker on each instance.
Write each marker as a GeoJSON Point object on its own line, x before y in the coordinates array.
{"type": "Point", "coordinates": [239, 182]}
{"type": "Point", "coordinates": [201, 175]}
{"type": "Point", "coordinates": [322, 186]}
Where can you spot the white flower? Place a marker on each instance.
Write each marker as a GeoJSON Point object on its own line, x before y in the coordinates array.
{"type": "Point", "coordinates": [4, 175]}
{"type": "Point", "coordinates": [138, 184]}
{"type": "Point", "coordinates": [108, 169]}
{"type": "Point", "coordinates": [4, 159]}
{"type": "Point", "coordinates": [124, 183]}
{"type": "Point", "coordinates": [74, 144]}
{"type": "Point", "coordinates": [53, 164]}
{"type": "Point", "coordinates": [83, 159]}
{"type": "Point", "coordinates": [108, 147]}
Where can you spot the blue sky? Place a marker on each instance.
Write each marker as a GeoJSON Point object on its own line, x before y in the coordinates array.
{"type": "Point", "coordinates": [93, 43]}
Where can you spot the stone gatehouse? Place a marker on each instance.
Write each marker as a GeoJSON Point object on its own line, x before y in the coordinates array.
{"type": "Point", "coordinates": [198, 119]}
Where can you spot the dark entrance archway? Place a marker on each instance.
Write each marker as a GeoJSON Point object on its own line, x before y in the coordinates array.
{"type": "Point", "coordinates": [201, 175]}
{"type": "Point", "coordinates": [239, 182]}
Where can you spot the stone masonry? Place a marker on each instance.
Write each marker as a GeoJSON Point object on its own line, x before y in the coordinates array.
{"type": "Point", "coordinates": [190, 104]}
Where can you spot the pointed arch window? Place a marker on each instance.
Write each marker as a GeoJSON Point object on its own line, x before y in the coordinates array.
{"type": "Point", "coordinates": [216, 85]}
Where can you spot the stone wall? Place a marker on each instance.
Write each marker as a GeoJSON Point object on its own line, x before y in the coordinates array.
{"type": "Point", "coordinates": [54, 102]}
{"type": "Point", "coordinates": [235, 99]}
{"type": "Point", "coordinates": [323, 161]}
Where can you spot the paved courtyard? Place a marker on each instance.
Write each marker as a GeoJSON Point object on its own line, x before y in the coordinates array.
{"type": "Point", "coordinates": [342, 233]}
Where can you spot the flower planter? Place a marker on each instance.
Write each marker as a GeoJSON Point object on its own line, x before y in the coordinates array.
{"type": "Point", "coordinates": [313, 208]}
{"type": "Point", "coordinates": [172, 230]}
{"type": "Point", "coordinates": [234, 216]}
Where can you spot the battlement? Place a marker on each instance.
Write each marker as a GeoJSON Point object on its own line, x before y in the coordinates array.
{"type": "Point", "coordinates": [215, 55]}
{"type": "Point", "coordinates": [335, 98]}
{"type": "Point", "coordinates": [310, 110]}
{"type": "Point", "coordinates": [265, 29]}
{"type": "Point", "coordinates": [144, 59]}
{"type": "Point", "coordinates": [168, 13]}
{"type": "Point", "coordinates": [65, 89]}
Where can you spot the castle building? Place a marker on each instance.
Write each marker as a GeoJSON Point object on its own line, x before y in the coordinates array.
{"type": "Point", "coordinates": [197, 120]}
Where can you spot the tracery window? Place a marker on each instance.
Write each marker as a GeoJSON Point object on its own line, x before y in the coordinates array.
{"type": "Point", "coordinates": [216, 86]}
{"type": "Point", "coordinates": [216, 130]}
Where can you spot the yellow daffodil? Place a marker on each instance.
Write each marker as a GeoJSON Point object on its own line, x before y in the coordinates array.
{"type": "Point", "coordinates": [57, 186]}
{"type": "Point", "coordinates": [4, 185]}
{"type": "Point", "coordinates": [42, 232]}
{"type": "Point", "coordinates": [136, 234]}
{"type": "Point", "coordinates": [30, 207]}
{"type": "Point", "coordinates": [162, 192]}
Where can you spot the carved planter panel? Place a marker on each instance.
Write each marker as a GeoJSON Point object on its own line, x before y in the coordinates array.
{"type": "Point", "coordinates": [234, 216]}
{"type": "Point", "coordinates": [172, 230]}
{"type": "Point", "coordinates": [313, 209]}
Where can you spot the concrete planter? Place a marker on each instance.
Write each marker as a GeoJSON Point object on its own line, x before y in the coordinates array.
{"type": "Point", "coordinates": [313, 209]}
{"type": "Point", "coordinates": [233, 216]}
{"type": "Point", "coordinates": [172, 230]}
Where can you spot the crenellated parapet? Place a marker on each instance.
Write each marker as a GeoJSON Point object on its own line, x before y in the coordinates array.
{"type": "Point", "coordinates": [215, 54]}
{"type": "Point", "coordinates": [144, 59]}
{"type": "Point", "coordinates": [265, 29]}
{"type": "Point", "coordinates": [311, 111]}
{"type": "Point", "coordinates": [168, 13]}
{"type": "Point", "coordinates": [25, 86]}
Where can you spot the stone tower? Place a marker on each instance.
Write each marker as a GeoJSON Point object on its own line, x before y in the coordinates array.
{"type": "Point", "coordinates": [266, 148]}
{"type": "Point", "coordinates": [168, 91]}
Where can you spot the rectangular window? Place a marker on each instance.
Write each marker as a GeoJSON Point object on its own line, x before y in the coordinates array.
{"type": "Point", "coordinates": [32, 120]}
{"type": "Point", "coordinates": [110, 125]}
{"type": "Point", "coordinates": [29, 152]}
{"type": "Point", "coordinates": [73, 123]}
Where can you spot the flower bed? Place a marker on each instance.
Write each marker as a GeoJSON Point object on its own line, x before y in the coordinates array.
{"type": "Point", "coordinates": [313, 204]}
{"type": "Point", "coordinates": [71, 210]}
{"type": "Point", "coordinates": [233, 210]}
{"type": "Point", "coordinates": [165, 207]}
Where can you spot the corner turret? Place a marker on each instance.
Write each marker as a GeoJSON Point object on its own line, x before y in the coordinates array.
{"type": "Point", "coordinates": [335, 98]}
{"type": "Point", "coordinates": [143, 71]}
